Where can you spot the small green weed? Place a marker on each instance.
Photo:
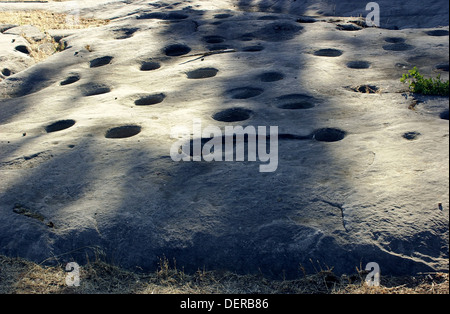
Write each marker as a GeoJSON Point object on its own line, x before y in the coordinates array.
{"type": "Point", "coordinates": [426, 86]}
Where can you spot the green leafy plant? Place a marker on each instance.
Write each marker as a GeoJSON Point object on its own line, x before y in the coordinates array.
{"type": "Point", "coordinates": [426, 86]}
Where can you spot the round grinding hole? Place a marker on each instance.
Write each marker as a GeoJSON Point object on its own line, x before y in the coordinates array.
{"type": "Point", "coordinates": [444, 115]}
{"type": "Point", "coordinates": [176, 50]}
{"type": "Point", "coordinates": [23, 49]}
{"type": "Point", "coordinates": [123, 131]}
{"type": "Point", "coordinates": [366, 89]}
{"type": "Point", "coordinates": [348, 27]}
{"type": "Point", "coordinates": [100, 61]}
{"type": "Point", "coordinates": [124, 33]}
{"type": "Point", "coordinates": [394, 40]}
{"type": "Point", "coordinates": [245, 92]}
{"type": "Point", "coordinates": [70, 80]}
{"type": "Point", "coordinates": [149, 66]}
{"type": "Point", "coordinates": [398, 47]}
{"type": "Point", "coordinates": [306, 20]}
{"type": "Point", "coordinates": [233, 115]}
{"type": "Point", "coordinates": [410, 136]}
{"type": "Point", "coordinates": [59, 126]}
{"type": "Point", "coordinates": [271, 77]}
{"type": "Point", "coordinates": [358, 65]}
{"type": "Point", "coordinates": [6, 72]}
{"type": "Point", "coordinates": [329, 52]}
{"type": "Point", "coordinates": [95, 89]}
{"type": "Point", "coordinates": [329, 135]}
{"type": "Point", "coordinates": [295, 102]}
{"type": "Point", "coordinates": [253, 48]}
{"type": "Point", "coordinates": [438, 32]}
{"type": "Point", "coordinates": [247, 37]}
{"type": "Point", "coordinates": [202, 73]}
{"type": "Point", "coordinates": [150, 100]}
{"type": "Point", "coordinates": [214, 39]}
{"type": "Point", "coordinates": [222, 16]}
{"type": "Point", "coordinates": [279, 31]}
{"type": "Point", "coordinates": [442, 67]}
{"type": "Point", "coordinates": [297, 105]}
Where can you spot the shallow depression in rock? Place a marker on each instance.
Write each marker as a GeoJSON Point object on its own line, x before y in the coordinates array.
{"type": "Point", "coordinates": [329, 135]}
{"type": "Point", "coordinates": [59, 126]}
{"type": "Point", "coordinates": [271, 77]}
{"type": "Point", "coordinates": [150, 100]}
{"type": "Point", "coordinates": [125, 131]}
{"type": "Point", "coordinates": [358, 64]}
{"type": "Point", "coordinates": [245, 92]}
{"type": "Point", "coordinates": [398, 47]}
{"type": "Point", "coordinates": [202, 73]}
{"type": "Point", "coordinates": [70, 79]}
{"type": "Point", "coordinates": [100, 61]}
{"type": "Point", "coordinates": [329, 52]}
{"type": "Point", "coordinates": [150, 66]}
{"type": "Point", "coordinates": [176, 50]}
{"type": "Point", "coordinates": [95, 89]}
{"type": "Point", "coordinates": [233, 115]}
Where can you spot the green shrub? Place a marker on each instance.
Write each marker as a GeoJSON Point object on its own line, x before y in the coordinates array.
{"type": "Point", "coordinates": [426, 86]}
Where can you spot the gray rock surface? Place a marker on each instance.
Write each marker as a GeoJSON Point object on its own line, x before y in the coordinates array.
{"type": "Point", "coordinates": [85, 140]}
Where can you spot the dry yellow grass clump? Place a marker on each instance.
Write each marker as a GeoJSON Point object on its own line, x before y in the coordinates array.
{"type": "Point", "coordinates": [18, 276]}
{"type": "Point", "coordinates": [46, 21]}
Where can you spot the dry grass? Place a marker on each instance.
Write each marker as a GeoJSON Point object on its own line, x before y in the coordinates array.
{"type": "Point", "coordinates": [18, 276]}
{"type": "Point", "coordinates": [44, 20]}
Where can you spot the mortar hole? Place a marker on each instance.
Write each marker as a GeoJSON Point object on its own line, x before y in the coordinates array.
{"type": "Point", "coordinates": [123, 131]}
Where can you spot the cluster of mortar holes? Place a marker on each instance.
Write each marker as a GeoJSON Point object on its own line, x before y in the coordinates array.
{"type": "Point", "coordinates": [100, 61]}
{"type": "Point", "coordinates": [400, 46]}
{"type": "Point", "coordinates": [176, 50]}
{"type": "Point", "coordinates": [233, 115]}
{"type": "Point", "coordinates": [271, 77]}
{"type": "Point", "coordinates": [70, 79]}
{"type": "Point", "coordinates": [245, 92]}
{"type": "Point", "coordinates": [295, 102]}
{"type": "Point", "coordinates": [124, 33]}
{"type": "Point", "coordinates": [95, 89]}
{"type": "Point", "coordinates": [395, 40]}
{"type": "Point", "coordinates": [6, 72]}
{"type": "Point", "coordinates": [172, 16]}
{"type": "Point", "coordinates": [223, 16]}
{"type": "Point", "coordinates": [256, 48]}
{"type": "Point", "coordinates": [59, 125]}
{"type": "Point", "coordinates": [329, 135]}
{"type": "Point", "coordinates": [359, 64]}
{"type": "Point", "coordinates": [150, 100]}
{"type": "Point", "coordinates": [438, 32]}
{"type": "Point", "coordinates": [125, 131]}
{"type": "Point", "coordinates": [411, 136]}
{"type": "Point", "coordinates": [444, 115]}
{"type": "Point", "coordinates": [366, 89]}
{"type": "Point", "coordinates": [150, 66]}
{"type": "Point", "coordinates": [442, 67]}
{"type": "Point", "coordinates": [348, 27]}
{"type": "Point", "coordinates": [23, 49]}
{"type": "Point", "coordinates": [328, 52]}
{"type": "Point", "coordinates": [202, 73]}
{"type": "Point", "coordinates": [214, 39]}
